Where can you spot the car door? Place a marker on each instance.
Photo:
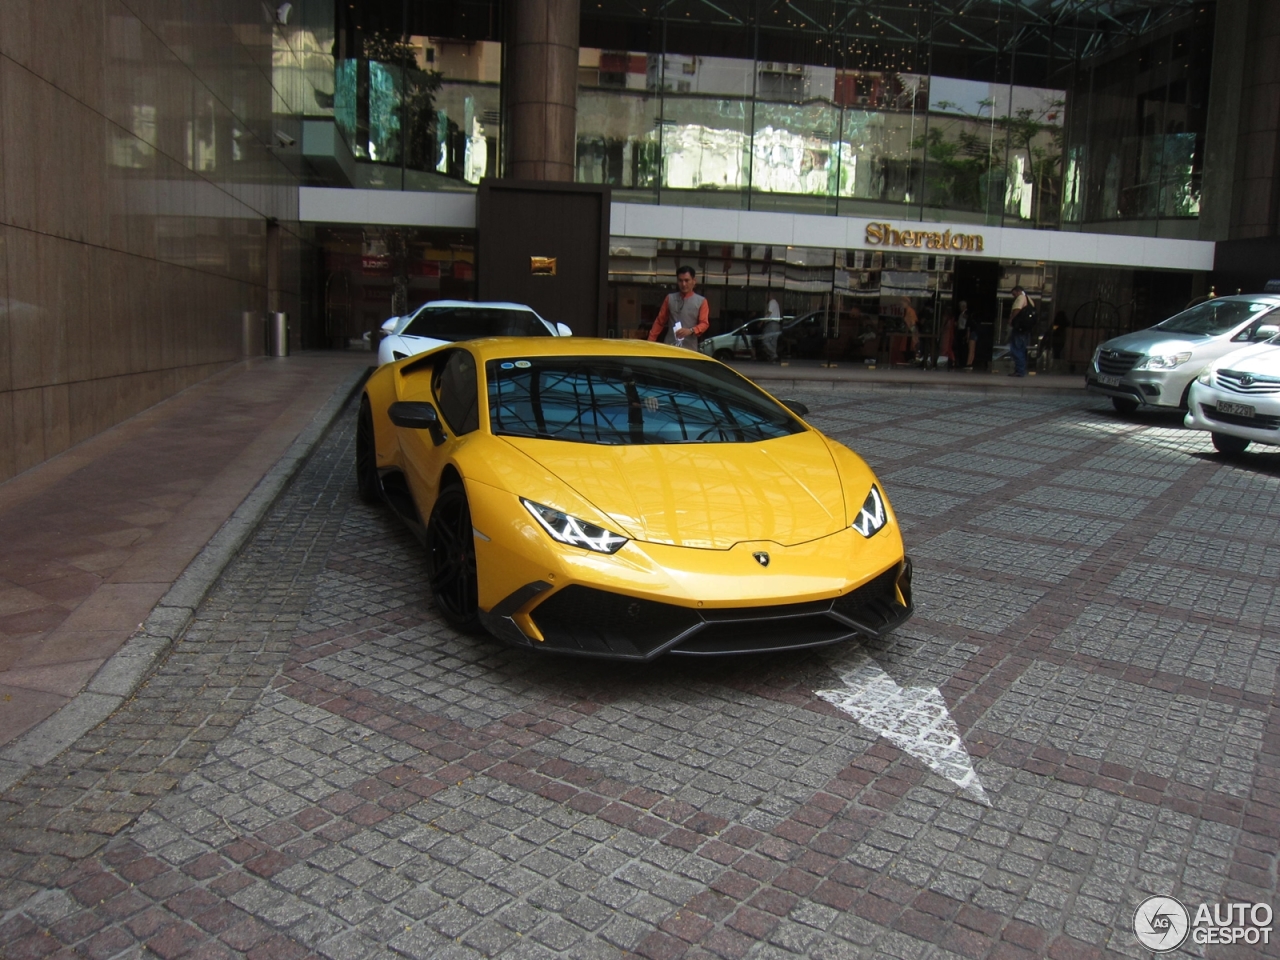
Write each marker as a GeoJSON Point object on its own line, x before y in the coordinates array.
{"type": "Point", "coordinates": [749, 343]}
{"type": "Point", "coordinates": [1221, 346]}
{"type": "Point", "coordinates": [455, 394]}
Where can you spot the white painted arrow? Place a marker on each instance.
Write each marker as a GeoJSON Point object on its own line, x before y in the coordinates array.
{"type": "Point", "coordinates": [914, 719]}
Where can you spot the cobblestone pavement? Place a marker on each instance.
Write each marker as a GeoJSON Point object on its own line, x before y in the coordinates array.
{"type": "Point", "coordinates": [321, 768]}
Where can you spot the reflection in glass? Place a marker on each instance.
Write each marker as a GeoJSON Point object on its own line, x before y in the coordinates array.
{"type": "Point", "coordinates": [617, 138]}
{"type": "Point", "coordinates": [791, 151]}
{"type": "Point", "coordinates": [424, 105]}
{"type": "Point", "coordinates": [705, 144]}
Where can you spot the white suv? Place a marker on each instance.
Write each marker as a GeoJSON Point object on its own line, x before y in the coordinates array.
{"type": "Point", "coordinates": [1238, 398]}
{"type": "Point", "coordinates": [1155, 366]}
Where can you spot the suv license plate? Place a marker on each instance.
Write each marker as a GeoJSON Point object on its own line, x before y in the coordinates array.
{"type": "Point", "coordinates": [1238, 409]}
{"type": "Point", "coordinates": [1108, 381]}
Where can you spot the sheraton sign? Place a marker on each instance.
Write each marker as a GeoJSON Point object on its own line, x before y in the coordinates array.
{"type": "Point", "coordinates": [885, 235]}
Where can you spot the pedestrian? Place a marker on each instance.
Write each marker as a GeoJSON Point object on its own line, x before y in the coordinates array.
{"type": "Point", "coordinates": [912, 323]}
{"type": "Point", "coordinates": [967, 333]}
{"type": "Point", "coordinates": [684, 315]}
{"type": "Point", "coordinates": [946, 347]}
{"type": "Point", "coordinates": [1022, 318]}
{"type": "Point", "coordinates": [772, 329]}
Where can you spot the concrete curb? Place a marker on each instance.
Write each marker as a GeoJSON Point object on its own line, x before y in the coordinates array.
{"type": "Point", "coordinates": [121, 675]}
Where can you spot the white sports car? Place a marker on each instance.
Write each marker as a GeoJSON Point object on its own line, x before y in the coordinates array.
{"type": "Point", "coordinates": [448, 321]}
{"type": "Point", "coordinates": [1237, 399]}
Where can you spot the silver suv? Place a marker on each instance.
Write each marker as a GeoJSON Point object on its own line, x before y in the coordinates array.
{"type": "Point", "coordinates": [1156, 367]}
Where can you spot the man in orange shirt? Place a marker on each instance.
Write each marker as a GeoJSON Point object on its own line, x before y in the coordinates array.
{"type": "Point", "coordinates": [684, 315]}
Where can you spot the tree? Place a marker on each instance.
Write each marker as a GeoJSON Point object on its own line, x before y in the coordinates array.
{"type": "Point", "coordinates": [418, 89]}
{"type": "Point", "coordinates": [958, 167]}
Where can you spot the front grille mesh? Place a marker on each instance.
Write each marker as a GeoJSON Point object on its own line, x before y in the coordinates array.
{"type": "Point", "coordinates": [593, 622]}
{"type": "Point", "coordinates": [581, 619]}
{"type": "Point", "coordinates": [1250, 383]}
{"type": "Point", "coordinates": [1117, 362]}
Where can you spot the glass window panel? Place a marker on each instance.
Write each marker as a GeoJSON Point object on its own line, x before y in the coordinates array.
{"type": "Point", "coordinates": [724, 76]}
{"type": "Point", "coordinates": [617, 120]}
{"type": "Point", "coordinates": [792, 151]}
{"type": "Point", "coordinates": [705, 143]}
{"type": "Point", "coordinates": [1097, 114]}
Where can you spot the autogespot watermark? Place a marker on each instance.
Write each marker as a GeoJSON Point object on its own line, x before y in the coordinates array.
{"type": "Point", "coordinates": [1162, 924]}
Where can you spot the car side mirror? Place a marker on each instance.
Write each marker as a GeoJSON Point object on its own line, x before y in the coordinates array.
{"type": "Point", "coordinates": [1266, 331]}
{"type": "Point", "coordinates": [417, 415]}
{"type": "Point", "coordinates": [389, 326]}
{"type": "Point", "coordinates": [796, 407]}
{"type": "Point", "coordinates": [564, 330]}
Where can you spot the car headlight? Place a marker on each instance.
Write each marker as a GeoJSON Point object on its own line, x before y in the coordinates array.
{"type": "Point", "coordinates": [872, 518]}
{"type": "Point", "coordinates": [571, 530]}
{"type": "Point", "coordinates": [1097, 352]}
{"type": "Point", "coordinates": [1206, 376]}
{"type": "Point", "coordinates": [1162, 363]}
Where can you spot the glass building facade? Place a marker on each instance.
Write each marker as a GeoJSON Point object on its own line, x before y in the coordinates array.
{"type": "Point", "coordinates": [1049, 115]}
{"type": "Point", "coordinates": [1079, 115]}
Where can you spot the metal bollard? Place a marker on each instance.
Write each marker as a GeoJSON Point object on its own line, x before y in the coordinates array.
{"type": "Point", "coordinates": [279, 334]}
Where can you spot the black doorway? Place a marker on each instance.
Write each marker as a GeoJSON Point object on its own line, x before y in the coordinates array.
{"type": "Point", "coordinates": [977, 283]}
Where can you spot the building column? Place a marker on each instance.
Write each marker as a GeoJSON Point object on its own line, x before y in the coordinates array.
{"type": "Point", "coordinates": [541, 89]}
{"type": "Point", "coordinates": [1256, 195]}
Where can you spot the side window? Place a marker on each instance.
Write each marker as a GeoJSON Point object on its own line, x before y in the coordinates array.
{"type": "Point", "coordinates": [1248, 333]}
{"type": "Point", "coordinates": [456, 392]}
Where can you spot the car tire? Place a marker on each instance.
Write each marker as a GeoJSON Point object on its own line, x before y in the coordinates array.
{"type": "Point", "coordinates": [1229, 446]}
{"type": "Point", "coordinates": [1124, 405]}
{"type": "Point", "coordinates": [367, 485]}
{"type": "Point", "coordinates": [724, 356]}
{"type": "Point", "coordinates": [451, 560]}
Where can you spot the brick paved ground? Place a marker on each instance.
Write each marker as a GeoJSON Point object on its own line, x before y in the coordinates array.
{"type": "Point", "coordinates": [321, 768]}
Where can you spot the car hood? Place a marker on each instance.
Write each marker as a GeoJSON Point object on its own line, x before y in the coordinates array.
{"type": "Point", "coordinates": [1157, 342]}
{"type": "Point", "coordinates": [421, 344]}
{"type": "Point", "coordinates": [709, 495]}
{"type": "Point", "coordinates": [1262, 359]}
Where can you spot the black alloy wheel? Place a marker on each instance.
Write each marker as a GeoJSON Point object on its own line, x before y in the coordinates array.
{"type": "Point", "coordinates": [451, 560]}
{"type": "Point", "coordinates": [723, 355]}
{"type": "Point", "coordinates": [1124, 405]}
{"type": "Point", "coordinates": [367, 485]}
{"type": "Point", "coordinates": [1229, 446]}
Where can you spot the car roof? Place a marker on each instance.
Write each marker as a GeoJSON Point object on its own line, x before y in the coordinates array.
{"type": "Point", "coordinates": [1271, 298]}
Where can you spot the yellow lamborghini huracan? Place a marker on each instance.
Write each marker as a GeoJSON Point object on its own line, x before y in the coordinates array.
{"type": "Point", "coordinates": [626, 499]}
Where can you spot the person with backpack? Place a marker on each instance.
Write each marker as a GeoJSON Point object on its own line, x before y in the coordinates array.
{"type": "Point", "coordinates": [1022, 321]}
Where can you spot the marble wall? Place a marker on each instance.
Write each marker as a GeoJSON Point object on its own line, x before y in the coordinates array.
{"type": "Point", "coordinates": [139, 166]}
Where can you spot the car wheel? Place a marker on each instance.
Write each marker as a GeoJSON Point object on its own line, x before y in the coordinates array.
{"type": "Point", "coordinates": [724, 356]}
{"type": "Point", "coordinates": [366, 456]}
{"type": "Point", "coordinates": [1228, 445]}
{"type": "Point", "coordinates": [1124, 405]}
{"type": "Point", "coordinates": [451, 559]}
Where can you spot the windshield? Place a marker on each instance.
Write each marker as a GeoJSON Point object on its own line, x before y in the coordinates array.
{"type": "Point", "coordinates": [1215, 317]}
{"type": "Point", "coordinates": [631, 400]}
{"type": "Point", "coordinates": [471, 323]}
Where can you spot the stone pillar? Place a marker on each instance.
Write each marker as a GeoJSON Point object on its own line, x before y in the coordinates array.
{"type": "Point", "coordinates": [541, 89]}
